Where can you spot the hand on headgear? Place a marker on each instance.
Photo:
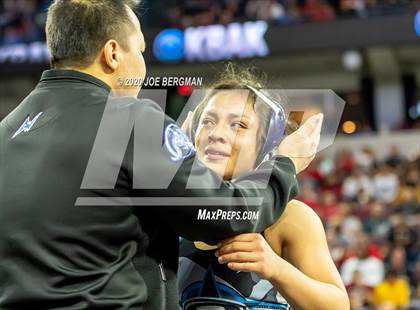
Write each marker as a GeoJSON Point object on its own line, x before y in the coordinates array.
{"type": "Point", "coordinates": [301, 145]}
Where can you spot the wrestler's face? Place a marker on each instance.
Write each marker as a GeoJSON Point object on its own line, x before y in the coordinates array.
{"type": "Point", "coordinates": [226, 139]}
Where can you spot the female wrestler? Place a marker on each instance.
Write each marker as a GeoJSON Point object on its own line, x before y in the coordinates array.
{"type": "Point", "coordinates": [289, 264]}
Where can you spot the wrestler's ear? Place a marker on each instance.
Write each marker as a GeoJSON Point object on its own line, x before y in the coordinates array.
{"type": "Point", "coordinates": [186, 126]}
{"type": "Point", "coordinates": [194, 125]}
{"type": "Point", "coordinates": [195, 119]}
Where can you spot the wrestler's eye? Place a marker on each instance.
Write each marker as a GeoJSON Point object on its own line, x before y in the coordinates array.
{"type": "Point", "coordinates": [237, 125]}
{"type": "Point", "coordinates": [207, 122]}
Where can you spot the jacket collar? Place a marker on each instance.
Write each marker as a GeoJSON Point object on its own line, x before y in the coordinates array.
{"type": "Point", "coordinates": [60, 74]}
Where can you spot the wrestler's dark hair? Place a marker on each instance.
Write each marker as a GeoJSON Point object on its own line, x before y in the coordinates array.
{"type": "Point", "coordinates": [237, 77]}
{"type": "Point", "coordinates": [76, 30]}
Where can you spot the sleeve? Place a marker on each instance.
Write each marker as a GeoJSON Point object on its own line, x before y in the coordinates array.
{"type": "Point", "coordinates": [179, 186]}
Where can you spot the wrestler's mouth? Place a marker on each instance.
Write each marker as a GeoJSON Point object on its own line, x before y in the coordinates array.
{"type": "Point", "coordinates": [215, 154]}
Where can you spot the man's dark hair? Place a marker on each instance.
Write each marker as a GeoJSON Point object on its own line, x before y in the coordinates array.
{"type": "Point", "coordinates": [76, 30]}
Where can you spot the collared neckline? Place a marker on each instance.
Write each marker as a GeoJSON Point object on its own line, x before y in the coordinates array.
{"type": "Point", "coordinates": [61, 74]}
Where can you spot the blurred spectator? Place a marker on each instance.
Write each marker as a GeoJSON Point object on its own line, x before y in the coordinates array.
{"type": "Point", "coordinates": [336, 244]}
{"type": "Point", "coordinates": [377, 225]}
{"type": "Point", "coordinates": [326, 167]}
{"type": "Point", "coordinates": [394, 159]}
{"type": "Point", "coordinates": [370, 267]}
{"type": "Point", "coordinates": [353, 7]}
{"type": "Point", "coordinates": [317, 11]}
{"type": "Point", "coordinates": [385, 184]}
{"type": "Point", "coordinates": [331, 184]}
{"type": "Point", "coordinates": [361, 295]}
{"type": "Point", "coordinates": [350, 224]}
{"type": "Point", "coordinates": [344, 161]}
{"type": "Point", "coordinates": [400, 233]}
{"type": "Point", "coordinates": [407, 200]}
{"type": "Point", "coordinates": [310, 197]}
{"type": "Point", "coordinates": [22, 20]}
{"type": "Point", "coordinates": [328, 207]}
{"type": "Point", "coordinates": [365, 159]}
{"type": "Point", "coordinates": [270, 10]}
{"type": "Point", "coordinates": [356, 183]}
{"type": "Point", "coordinates": [393, 292]}
{"type": "Point", "coordinates": [397, 261]}
{"type": "Point", "coordinates": [415, 284]}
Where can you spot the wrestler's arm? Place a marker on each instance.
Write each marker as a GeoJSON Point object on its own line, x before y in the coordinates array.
{"type": "Point", "coordinates": [306, 276]}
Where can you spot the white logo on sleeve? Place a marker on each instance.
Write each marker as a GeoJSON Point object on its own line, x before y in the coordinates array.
{"type": "Point", "coordinates": [27, 125]}
{"type": "Point", "coordinates": [177, 143]}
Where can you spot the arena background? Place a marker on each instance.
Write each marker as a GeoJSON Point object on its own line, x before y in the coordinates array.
{"type": "Point", "coordinates": [366, 186]}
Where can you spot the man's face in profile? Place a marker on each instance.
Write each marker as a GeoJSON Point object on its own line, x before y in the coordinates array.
{"type": "Point", "coordinates": [132, 64]}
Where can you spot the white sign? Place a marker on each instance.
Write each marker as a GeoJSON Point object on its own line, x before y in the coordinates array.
{"type": "Point", "coordinates": [217, 42]}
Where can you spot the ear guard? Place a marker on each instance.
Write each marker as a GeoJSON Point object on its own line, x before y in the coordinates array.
{"type": "Point", "coordinates": [276, 128]}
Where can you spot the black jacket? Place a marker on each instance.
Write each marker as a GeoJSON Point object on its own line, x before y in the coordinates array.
{"type": "Point", "coordinates": [59, 253]}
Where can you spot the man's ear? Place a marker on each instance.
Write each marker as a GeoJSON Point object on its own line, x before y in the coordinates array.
{"type": "Point", "coordinates": [111, 52]}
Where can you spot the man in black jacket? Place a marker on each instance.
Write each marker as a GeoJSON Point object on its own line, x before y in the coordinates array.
{"type": "Point", "coordinates": [66, 244]}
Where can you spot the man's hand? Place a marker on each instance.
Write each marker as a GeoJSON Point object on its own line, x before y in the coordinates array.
{"type": "Point", "coordinates": [249, 253]}
{"type": "Point", "coordinates": [301, 145]}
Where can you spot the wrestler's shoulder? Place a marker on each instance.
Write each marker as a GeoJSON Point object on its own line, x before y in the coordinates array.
{"type": "Point", "coordinates": [300, 208]}
{"type": "Point", "coordinates": [297, 216]}
{"type": "Point", "coordinates": [300, 211]}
